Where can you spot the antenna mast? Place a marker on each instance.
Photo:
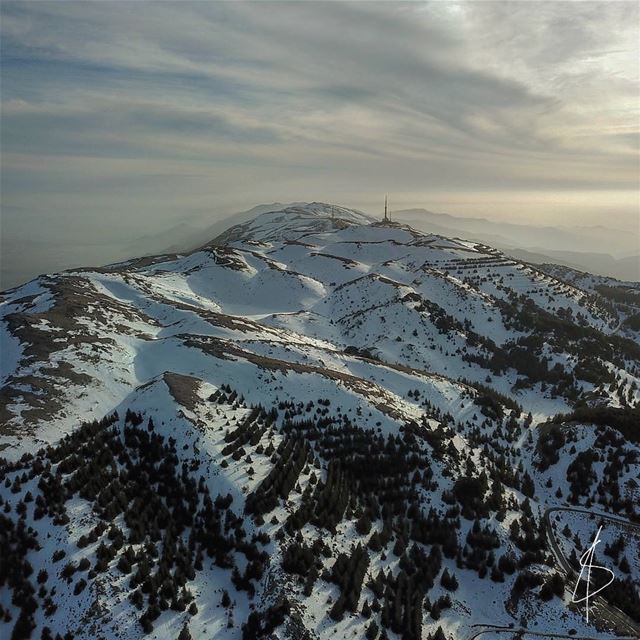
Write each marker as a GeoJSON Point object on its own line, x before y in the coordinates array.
{"type": "Point", "coordinates": [386, 210]}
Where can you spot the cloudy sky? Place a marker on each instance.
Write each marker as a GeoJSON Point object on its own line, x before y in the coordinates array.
{"type": "Point", "coordinates": [120, 118]}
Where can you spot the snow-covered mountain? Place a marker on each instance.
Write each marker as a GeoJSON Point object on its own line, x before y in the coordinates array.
{"type": "Point", "coordinates": [317, 425]}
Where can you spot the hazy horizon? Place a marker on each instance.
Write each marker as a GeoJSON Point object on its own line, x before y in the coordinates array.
{"type": "Point", "coordinates": [122, 120]}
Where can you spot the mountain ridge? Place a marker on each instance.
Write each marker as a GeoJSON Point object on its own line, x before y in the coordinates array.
{"type": "Point", "coordinates": [341, 424]}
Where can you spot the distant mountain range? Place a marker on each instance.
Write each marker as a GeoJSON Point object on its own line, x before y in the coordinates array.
{"type": "Point", "coordinates": [600, 250]}
{"type": "Point", "coordinates": [586, 248]}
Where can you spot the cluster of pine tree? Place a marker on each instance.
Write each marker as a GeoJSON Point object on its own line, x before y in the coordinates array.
{"type": "Point", "coordinates": [290, 458]}
{"type": "Point", "coordinates": [348, 573]}
{"type": "Point", "coordinates": [305, 560]}
{"type": "Point", "coordinates": [401, 600]}
{"type": "Point", "coordinates": [325, 504]}
{"type": "Point", "coordinates": [380, 474]}
{"type": "Point", "coordinates": [561, 332]}
{"type": "Point", "coordinates": [248, 432]}
{"type": "Point", "coordinates": [550, 441]}
{"type": "Point", "coordinates": [261, 625]}
{"type": "Point", "coordinates": [16, 540]}
{"type": "Point", "coordinates": [170, 520]}
{"type": "Point", "coordinates": [529, 536]}
{"type": "Point", "coordinates": [609, 447]}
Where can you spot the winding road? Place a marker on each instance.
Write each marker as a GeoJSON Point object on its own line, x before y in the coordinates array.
{"type": "Point", "coordinates": [604, 611]}
{"type": "Point", "coordinates": [622, 623]}
{"type": "Point", "coordinates": [488, 628]}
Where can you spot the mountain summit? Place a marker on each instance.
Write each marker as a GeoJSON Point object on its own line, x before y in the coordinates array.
{"type": "Point", "coordinates": [294, 221]}
{"type": "Point", "coordinates": [314, 426]}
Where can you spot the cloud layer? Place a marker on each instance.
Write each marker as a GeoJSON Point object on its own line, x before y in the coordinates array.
{"type": "Point", "coordinates": [117, 117]}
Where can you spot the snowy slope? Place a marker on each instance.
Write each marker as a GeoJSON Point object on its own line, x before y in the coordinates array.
{"type": "Point", "coordinates": [363, 344]}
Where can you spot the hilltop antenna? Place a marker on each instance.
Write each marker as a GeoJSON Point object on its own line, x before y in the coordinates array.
{"type": "Point", "coordinates": [386, 209]}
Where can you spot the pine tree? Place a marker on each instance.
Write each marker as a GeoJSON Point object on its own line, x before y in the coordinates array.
{"type": "Point", "coordinates": [374, 542]}
{"type": "Point", "coordinates": [337, 611]}
{"type": "Point", "coordinates": [185, 634]}
{"type": "Point", "coordinates": [439, 634]}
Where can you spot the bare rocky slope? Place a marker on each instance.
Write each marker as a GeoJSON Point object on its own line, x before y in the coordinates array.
{"type": "Point", "coordinates": [317, 425]}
